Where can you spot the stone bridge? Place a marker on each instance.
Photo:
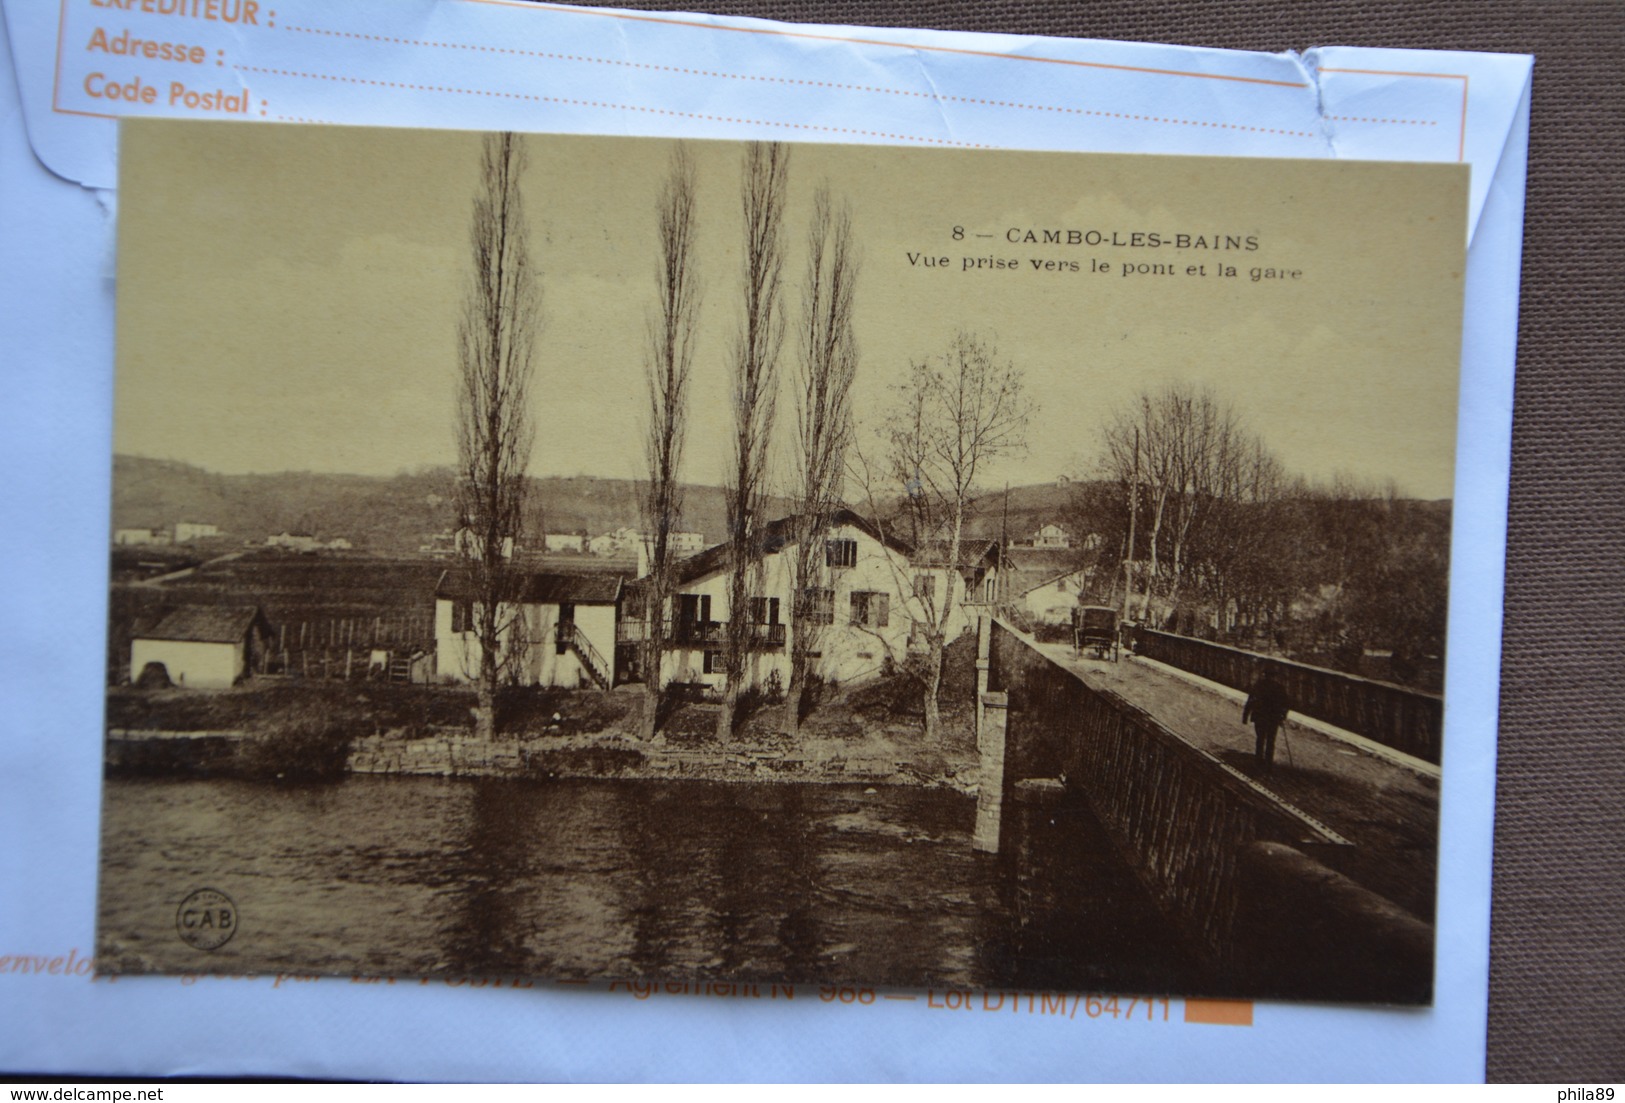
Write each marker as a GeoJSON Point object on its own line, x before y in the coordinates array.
{"type": "Point", "coordinates": [1312, 882]}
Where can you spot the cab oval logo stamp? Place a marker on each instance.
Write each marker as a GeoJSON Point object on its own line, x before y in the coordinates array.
{"type": "Point", "coordinates": [206, 919]}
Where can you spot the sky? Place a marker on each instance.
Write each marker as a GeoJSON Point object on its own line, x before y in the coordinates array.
{"type": "Point", "coordinates": [288, 296]}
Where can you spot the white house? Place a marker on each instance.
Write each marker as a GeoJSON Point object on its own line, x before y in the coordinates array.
{"type": "Point", "coordinates": [1045, 582]}
{"type": "Point", "coordinates": [562, 634]}
{"type": "Point", "coordinates": [976, 582]}
{"type": "Point", "coordinates": [684, 544]}
{"type": "Point", "coordinates": [293, 541]}
{"type": "Point", "coordinates": [202, 646]}
{"type": "Point", "coordinates": [140, 536]}
{"type": "Point", "coordinates": [1052, 536]}
{"type": "Point", "coordinates": [575, 542]}
{"type": "Point", "coordinates": [866, 608]}
{"type": "Point", "coordinates": [194, 530]}
{"type": "Point", "coordinates": [1052, 600]}
{"type": "Point", "coordinates": [623, 541]}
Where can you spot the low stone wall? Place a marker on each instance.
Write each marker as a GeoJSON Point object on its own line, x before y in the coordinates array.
{"type": "Point", "coordinates": [453, 752]}
{"type": "Point", "coordinates": [1404, 719]}
{"type": "Point", "coordinates": [457, 754]}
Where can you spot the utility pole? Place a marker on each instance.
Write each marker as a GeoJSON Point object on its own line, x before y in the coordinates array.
{"type": "Point", "coordinates": [1004, 542]}
{"type": "Point", "coordinates": [1133, 512]}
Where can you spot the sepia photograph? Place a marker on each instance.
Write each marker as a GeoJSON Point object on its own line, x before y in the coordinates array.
{"type": "Point", "coordinates": [761, 564]}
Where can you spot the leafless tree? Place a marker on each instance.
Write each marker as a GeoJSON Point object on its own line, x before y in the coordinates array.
{"type": "Point", "coordinates": [1184, 449]}
{"type": "Point", "coordinates": [671, 353]}
{"type": "Point", "coordinates": [754, 396]}
{"type": "Point", "coordinates": [827, 366]}
{"type": "Point", "coordinates": [950, 417]}
{"type": "Point", "coordinates": [1220, 506]}
{"type": "Point", "coordinates": [496, 340]}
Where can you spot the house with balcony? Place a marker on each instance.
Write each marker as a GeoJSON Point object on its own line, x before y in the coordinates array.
{"type": "Point", "coordinates": [560, 631]}
{"type": "Point", "coordinates": [867, 606]}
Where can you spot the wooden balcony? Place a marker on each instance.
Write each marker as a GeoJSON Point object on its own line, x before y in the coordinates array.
{"type": "Point", "coordinates": [706, 634]}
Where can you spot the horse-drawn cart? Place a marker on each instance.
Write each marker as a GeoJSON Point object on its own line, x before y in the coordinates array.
{"type": "Point", "coordinates": [1094, 630]}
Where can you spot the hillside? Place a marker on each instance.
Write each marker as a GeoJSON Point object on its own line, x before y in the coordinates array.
{"type": "Point", "coordinates": [383, 514]}
{"type": "Point", "coordinates": [1028, 509]}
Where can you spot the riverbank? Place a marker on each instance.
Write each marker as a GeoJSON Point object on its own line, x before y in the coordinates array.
{"type": "Point", "coordinates": [871, 734]}
{"type": "Point", "coordinates": [884, 759]}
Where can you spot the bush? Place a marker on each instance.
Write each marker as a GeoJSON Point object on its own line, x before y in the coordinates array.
{"type": "Point", "coordinates": [309, 743]}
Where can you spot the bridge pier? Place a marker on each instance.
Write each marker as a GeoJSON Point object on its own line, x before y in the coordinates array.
{"type": "Point", "coordinates": [992, 725]}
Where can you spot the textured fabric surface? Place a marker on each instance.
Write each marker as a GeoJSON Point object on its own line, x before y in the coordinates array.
{"type": "Point", "coordinates": [1557, 966]}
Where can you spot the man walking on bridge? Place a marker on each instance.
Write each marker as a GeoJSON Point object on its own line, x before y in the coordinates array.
{"type": "Point", "coordinates": [1267, 706]}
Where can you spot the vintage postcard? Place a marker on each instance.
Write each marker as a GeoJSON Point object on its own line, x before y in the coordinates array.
{"type": "Point", "coordinates": [775, 564]}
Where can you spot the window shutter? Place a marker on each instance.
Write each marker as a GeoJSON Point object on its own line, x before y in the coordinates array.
{"type": "Point", "coordinates": [883, 614]}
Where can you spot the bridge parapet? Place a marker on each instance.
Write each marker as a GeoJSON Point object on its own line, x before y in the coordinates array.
{"type": "Point", "coordinates": [1404, 719]}
{"type": "Point", "coordinates": [1179, 816]}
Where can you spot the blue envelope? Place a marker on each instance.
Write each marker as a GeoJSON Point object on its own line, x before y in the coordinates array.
{"type": "Point", "coordinates": [72, 70]}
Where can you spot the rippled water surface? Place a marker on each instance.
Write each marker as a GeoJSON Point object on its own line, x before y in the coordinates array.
{"type": "Point", "coordinates": [623, 879]}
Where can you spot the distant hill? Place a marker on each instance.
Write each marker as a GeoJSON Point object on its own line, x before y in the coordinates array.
{"type": "Point", "coordinates": [1028, 509]}
{"type": "Point", "coordinates": [383, 514]}
{"type": "Point", "coordinates": [393, 515]}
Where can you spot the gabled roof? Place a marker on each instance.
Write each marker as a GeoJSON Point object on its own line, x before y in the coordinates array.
{"type": "Point", "coordinates": [1025, 580]}
{"type": "Point", "coordinates": [972, 553]}
{"type": "Point", "coordinates": [775, 535]}
{"type": "Point", "coordinates": [542, 587]}
{"type": "Point", "coordinates": [205, 624]}
{"type": "Point", "coordinates": [1050, 561]}
{"type": "Point", "coordinates": [1030, 568]}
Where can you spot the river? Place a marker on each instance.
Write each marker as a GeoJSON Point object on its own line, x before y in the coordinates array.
{"type": "Point", "coordinates": [621, 879]}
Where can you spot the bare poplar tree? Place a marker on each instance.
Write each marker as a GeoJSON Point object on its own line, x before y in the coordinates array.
{"type": "Point", "coordinates": [671, 353]}
{"type": "Point", "coordinates": [950, 417]}
{"type": "Point", "coordinates": [754, 397]}
{"type": "Point", "coordinates": [828, 364]}
{"type": "Point", "coordinates": [496, 338]}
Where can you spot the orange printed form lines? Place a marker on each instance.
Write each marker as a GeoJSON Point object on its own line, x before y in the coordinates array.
{"type": "Point", "coordinates": [1461, 142]}
{"type": "Point", "coordinates": [775, 32]}
{"type": "Point", "coordinates": [767, 79]}
{"type": "Point", "coordinates": [603, 104]}
{"type": "Point", "coordinates": [810, 35]}
{"type": "Point", "coordinates": [1461, 147]}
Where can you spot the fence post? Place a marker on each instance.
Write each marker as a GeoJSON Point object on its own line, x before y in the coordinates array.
{"type": "Point", "coordinates": [995, 708]}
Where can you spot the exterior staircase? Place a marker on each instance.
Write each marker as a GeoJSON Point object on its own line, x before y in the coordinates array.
{"type": "Point", "coordinates": [592, 660]}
